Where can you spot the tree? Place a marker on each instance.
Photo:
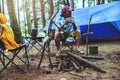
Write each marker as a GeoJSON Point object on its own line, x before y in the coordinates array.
{"type": "Point", "coordinates": [2, 6]}
{"type": "Point", "coordinates": [112, 0]}
{"type": "Point", "coordinates": [103, 2]}
{"type": "Point", "coordinates": [18, 12]}
{"type": "Point", "coordinates": [98, 2]}
{"type": "Point", "coordinates": [42, 12]}
{"type": "Point", "coordinates": [51, 7]}
{"type": "Point", "coordinates": [27, 12]}
{"type": "Point", "coordinates": [83, 5]}
{"type": "Point", "coordinates": [34, 13]}
{"type": "Point", "coordinates": [72, 4]}
{"type": "Point", "coordinates": [14, 22]}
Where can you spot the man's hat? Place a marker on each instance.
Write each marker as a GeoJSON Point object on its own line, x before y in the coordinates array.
{"type": "Point", "coordinates": [66, 8]}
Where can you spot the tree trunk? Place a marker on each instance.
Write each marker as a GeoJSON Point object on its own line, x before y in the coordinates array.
{"type": "Point", "coordinates": [51, 7]}
{"type": "Point", "coordinates": [72, 4]}
{"type": "Point", "coordinates": [18, 12]}
{"type": "Point", "coordinates": [27, 10]}
{"type": "Point", "coordinates": [34, 13]}
{"type": "Point", "coordinates": [13, 20]}
{"type": "Point", "coordinates": [42, 12]}
{"type": "Point", "coordinates": [2, 6]}
{"type": "Point", "coordinates": [83, 5]}
{"type": "Point", "coordinates": [98, 2]}
{"type": "Point", "coordinates": [103, 2]}
{"type": "Point", "coordinates": [109, 1]}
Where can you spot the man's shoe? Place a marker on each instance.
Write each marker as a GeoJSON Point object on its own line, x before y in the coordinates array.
{"type": "Point", "coordinates": [58, 53]}
{"type": "Point", "coordinates": [80, 52]}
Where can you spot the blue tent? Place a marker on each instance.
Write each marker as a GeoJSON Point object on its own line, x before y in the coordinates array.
{"type": "Point", "coordinates": [105, 23]}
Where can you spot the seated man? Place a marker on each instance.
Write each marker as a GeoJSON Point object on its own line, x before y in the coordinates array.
{"type": "Point", "coordinates": [66, 26]}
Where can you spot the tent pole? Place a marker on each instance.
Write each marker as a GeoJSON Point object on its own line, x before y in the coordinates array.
{"type": "Point", "coordinates": [87, 36]}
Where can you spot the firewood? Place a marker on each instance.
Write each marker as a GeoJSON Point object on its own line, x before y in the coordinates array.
{"type": "Point", "coordinates": [75, 65]}
{"type": "Point", "coordinates": [93, 57]}
{"type": "Point", "coordinates": [86, 62]}
{"type": "Point", "coordinates": [60, 65]}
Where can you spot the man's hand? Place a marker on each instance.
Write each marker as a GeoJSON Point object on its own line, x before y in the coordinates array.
{"type": "Point", "coordinates": [66, 21]}
{"type": "Point", "coordinates": [72, 21]}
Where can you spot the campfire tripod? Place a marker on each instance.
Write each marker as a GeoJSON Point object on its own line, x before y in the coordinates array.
{"type": "Point", "coordinates": [47, 41]}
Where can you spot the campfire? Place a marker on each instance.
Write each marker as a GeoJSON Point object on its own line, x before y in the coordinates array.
{"type": "Point", "coordinates": [71, 61]}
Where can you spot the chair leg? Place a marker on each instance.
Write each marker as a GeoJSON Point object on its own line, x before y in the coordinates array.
{"type": "Point", "coordinates": [41, 58]}
{"type": "Point", "coordinates": [2, 61]}
{"type": "Point", "coordinates": [34, 46]}
{"type": "Point", "coordinates": [16, 52]}
{"type": "Point", "coordinates": [26, 59]}
{"type": "Point", "coordinates": [10, 61]}
{"type": "Point", "coordinates": [2, 58]}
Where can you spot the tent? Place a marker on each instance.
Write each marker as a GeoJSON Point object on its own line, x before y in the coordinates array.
{"type": "Point", "coordinates": [105, 22]}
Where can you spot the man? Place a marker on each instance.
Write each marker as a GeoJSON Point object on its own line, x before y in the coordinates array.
{"type": "Point", "coordinates": [66, 26]}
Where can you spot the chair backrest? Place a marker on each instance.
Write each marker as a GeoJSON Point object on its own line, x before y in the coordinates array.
{"type": "Point", "coordinates": [2, 45]}
{"type": "Point", "coordinates": [1, 30]}
{"type": "Point", "coordinates": [34, 33]}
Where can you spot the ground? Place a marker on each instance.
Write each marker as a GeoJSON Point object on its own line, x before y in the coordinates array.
{"type": "Point", "coordinates": [111, 64]}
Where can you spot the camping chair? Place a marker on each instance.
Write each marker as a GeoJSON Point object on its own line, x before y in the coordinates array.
{"type": "Point", "coordinates": [46, 47]}
{"type": "Point", "coordinates": [67, 43]}
{"type": "Point", "coordinates": [6, 59]}
{"type": "Point", "coordinates": [34, 42]}
{"type": "Point", "coordinates": [70, 41]}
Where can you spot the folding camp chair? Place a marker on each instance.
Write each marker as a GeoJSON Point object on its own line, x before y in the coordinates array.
{"type": "Point", "coordinates": [46, 48]}
{"type": "Point", "coordinates": [68, 43]}
{"type": "Point", "coordinates": [34, 43]}
{"type": "Point", "coordinates": [7, 59]}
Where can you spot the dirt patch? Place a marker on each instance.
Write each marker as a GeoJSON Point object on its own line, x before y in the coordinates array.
{"type": "Point", "coordinates": [114, 57]}
{"type": "Point", "coordinates": [110, 64]}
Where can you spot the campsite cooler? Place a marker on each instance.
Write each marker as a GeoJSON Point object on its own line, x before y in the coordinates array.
{"type": "Point", "coordinates": [93, 49]}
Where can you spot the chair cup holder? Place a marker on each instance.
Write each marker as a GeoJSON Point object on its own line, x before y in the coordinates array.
{"type": "Point", "coordinates": [47, 39]}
